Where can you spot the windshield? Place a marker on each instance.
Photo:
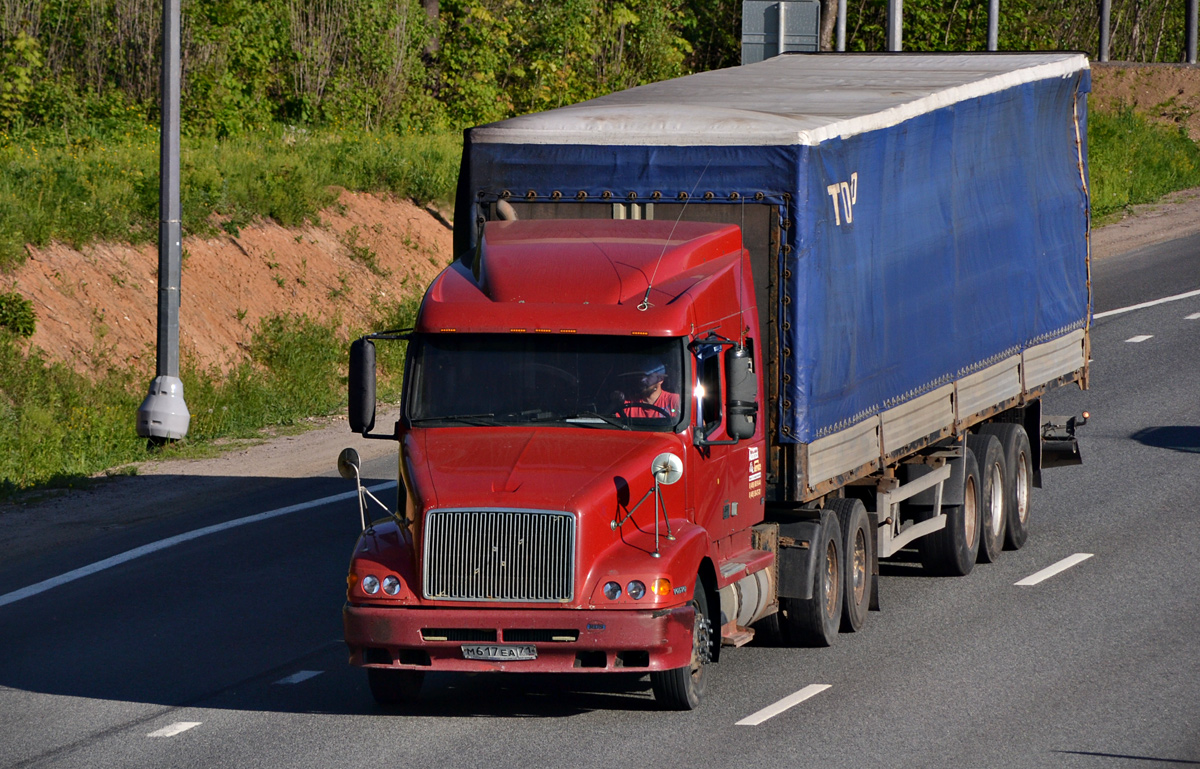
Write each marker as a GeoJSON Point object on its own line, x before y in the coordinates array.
{"type": "Point", "coordinates": [593, 381]}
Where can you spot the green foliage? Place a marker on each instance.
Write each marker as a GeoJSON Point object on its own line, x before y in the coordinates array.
{"type": "Point", "coordinates": [1134, 161]}
{"type": "Point", "coordinates": [16, 314]}
{"type": "Point", "coordinates": [20, 57]}
{"type": "Point", "coordinates": [497, 58]}
{"type": "Point", "coordinates": [58, 427]}
{"type": "Point", "coordinates": [87, 188]}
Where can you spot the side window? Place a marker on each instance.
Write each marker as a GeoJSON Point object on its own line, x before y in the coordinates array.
{"type": "Point", "coordinates": [708, 393]}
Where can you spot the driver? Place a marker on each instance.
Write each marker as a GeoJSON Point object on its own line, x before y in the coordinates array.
{"type": "Point", "coordinates": [645, 397]}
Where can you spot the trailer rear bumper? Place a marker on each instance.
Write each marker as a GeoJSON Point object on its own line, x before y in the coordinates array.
{"type": "Point", "coordinates": [565, 640]}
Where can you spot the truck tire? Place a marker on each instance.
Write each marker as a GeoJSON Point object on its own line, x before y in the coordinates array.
{"type": "Point", "coordinates": [815, 621]}
{"type": "Point", "coordinates": [1018, 484]}
{"type": "Point", "coordinates": [858, 556]}
{"type": "Point", "coordinates": [394, 687]}
{"type": "Point", "coordinates": [683, 688]}
{"type": "Point", "coordinates": [989, 457]}
{"type": "Point", "coordinates": [952, 551]}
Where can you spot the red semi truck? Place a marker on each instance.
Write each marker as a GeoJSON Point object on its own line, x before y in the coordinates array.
{"type": "Point", "coordinates": [715, 346]}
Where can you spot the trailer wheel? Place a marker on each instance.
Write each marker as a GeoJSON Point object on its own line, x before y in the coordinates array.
{"type": "Point", "coordinates": [394, 687]}
{"type": "Point", "coordinates": [989, 456]}
{"type": "Point", "coordinates": [952, 551]}
{"type": "Point", "coordinates": [858, 553]}
{"type": "Point", "coordinates": [1018, 483]}
{"type": "Point", "coordinates": [683, 688]}
{"type": "Point", "coordinates": [815, 621]}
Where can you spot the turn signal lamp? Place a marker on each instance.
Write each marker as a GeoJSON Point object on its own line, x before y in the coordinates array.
{"type": "Point", "coordinates": [661, 586]}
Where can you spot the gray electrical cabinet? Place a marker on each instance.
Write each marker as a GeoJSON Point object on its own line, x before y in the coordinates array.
{"type": "Point", "coordinates": [772, 27]}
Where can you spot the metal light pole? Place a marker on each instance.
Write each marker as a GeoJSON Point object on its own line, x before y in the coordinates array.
{"type": "Point", "coordinates": [993, 25]}
{"type": "Point", "coordinates": [895, 16]}
{"type": "Point", "coordinates": [1190, 32]}
{"type": "Point", "coordinates": [163, 414]}
{"type": "Point", "coordinates": [1105, 14]}
{"type": "Point", "coordinates": [841, 25]}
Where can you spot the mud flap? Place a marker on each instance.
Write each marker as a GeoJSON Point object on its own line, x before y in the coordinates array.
{"type": "Point", "coordinates": [797, 566]}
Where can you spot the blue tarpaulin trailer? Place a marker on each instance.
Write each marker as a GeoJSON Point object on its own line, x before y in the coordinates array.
{"type": "Point", "coordinates": [918, 225]}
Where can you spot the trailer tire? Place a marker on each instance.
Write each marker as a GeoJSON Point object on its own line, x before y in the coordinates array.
{"type": "Point", "coordinates": [815, 621]}
{"type": "Point", "coordinates": [683, 688]}
{"type": "Point", "coordinates": [1018, 484]}
{"type": "Point", "coordinates": [953, 550]}
{"type": "Point", "coordinates": [394, 687]}
{"type": "Point", "coordinates": [993, 499]}
{"type": "Point", "coordinates": [858, 556]}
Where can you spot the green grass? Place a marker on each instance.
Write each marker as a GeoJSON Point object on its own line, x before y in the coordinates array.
{"type": "Point", "coordinates": [82, 189]}
{"type": "Point", "coordinates": [1132, 160]}
{"type": "Point", "coordinates": [58, 428]}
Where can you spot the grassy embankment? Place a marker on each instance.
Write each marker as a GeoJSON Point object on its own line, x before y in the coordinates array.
{"type": "Point", "coordinates": [58, 428]}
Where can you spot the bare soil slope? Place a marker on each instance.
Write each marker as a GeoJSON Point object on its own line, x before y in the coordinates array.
{"type": "Point", "coordinates": [1169, 93]}
{"type": "Point", "coordinates": [100, 304]}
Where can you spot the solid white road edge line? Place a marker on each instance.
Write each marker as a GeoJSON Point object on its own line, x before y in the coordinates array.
{"type": "Point", "coordinates": [1132, 307]}
{"type": "Point", "coordinates": [174, 729]}
{"type": "Point", "coordinates": [299, 676]}
{"type": "Point", "coordinates": [1139, 338]}
{"type": "Point", "coordinates": [789, 701]}
{"type": "Point", "coordinates": [163, 544]}
{"type": "Point", "coordinates": [1053, 569]}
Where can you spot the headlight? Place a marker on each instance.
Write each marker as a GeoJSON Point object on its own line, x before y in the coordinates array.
{"type": "Point", "coordinates": [612, 591]}
{"type": "Point", "coordinates": [370, 584]}
{"type": "Point", "coordinates": [391, 585]}
{"type": "Point", "coordinates": [636, 589]}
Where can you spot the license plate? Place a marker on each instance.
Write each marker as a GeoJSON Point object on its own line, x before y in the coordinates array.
{"type": "Point", "coordinates": [494, 652]}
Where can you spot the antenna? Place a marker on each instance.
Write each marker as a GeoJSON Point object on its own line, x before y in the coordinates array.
{"type": "Point", "coordinates": [645, 305]}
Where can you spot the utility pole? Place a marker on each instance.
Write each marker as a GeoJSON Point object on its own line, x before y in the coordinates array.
{"type": "Point", "coordinates": [163, 415]}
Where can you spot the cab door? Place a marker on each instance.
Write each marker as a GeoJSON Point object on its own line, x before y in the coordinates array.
{"type": "Point", "coordinates": [721, 467]}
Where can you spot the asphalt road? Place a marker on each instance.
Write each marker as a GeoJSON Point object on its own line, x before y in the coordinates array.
{"type": "Point", "coordinates": [231, 642]}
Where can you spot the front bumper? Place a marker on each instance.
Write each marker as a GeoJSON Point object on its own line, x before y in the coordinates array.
{"type": "Point", "coordinates": [595, 641]}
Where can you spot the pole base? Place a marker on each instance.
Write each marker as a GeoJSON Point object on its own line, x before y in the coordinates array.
{"type": "Point", "coordinates": [164, 414]}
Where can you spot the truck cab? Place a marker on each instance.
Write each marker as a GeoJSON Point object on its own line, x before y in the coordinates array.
{"type": "Point", "coordinates": [581, 453]}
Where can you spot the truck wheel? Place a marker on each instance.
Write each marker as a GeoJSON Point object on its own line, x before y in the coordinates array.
{"type": "Point", "coordinates": [989, 456]}
{"type": "Point", "coordinates": [1018, 484]}
{"type": "Point", "coordinates": [952, 551]}
{"type": "Point", "coordinates": [815, 621]}
{"type": "Point", "coordinates": [858, 552]}
{"type": "Point", "coordinates": [394, 687]}
{"type": "Point", "coordinates": [683, 688]}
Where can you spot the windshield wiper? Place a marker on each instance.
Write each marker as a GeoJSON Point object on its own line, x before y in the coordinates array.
{"type": "Point", "coordinates": [583, 417]}
{"type": "Point", "coordinates": [471, 419]}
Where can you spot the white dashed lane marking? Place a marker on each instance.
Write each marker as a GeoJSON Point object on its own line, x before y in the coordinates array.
{"type": "Point", "coordinates": [1193, 316]}
{"type": "Point", "coordinates": [174, 729]}
{"type": "Point", "coordinates": [1140, 338]}
{"type": "Point", "coordinates": [790, 701]}
{"type": "Point", "coordinates": [1132, 307]}
{"type": "Point", "coordinates": [1053, 569]}
{"type": "Point", "coordinates": [302, 675]}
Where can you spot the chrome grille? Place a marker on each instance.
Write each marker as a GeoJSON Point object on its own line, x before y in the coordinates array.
{"type": "Point", "coordinates": [499, 555]}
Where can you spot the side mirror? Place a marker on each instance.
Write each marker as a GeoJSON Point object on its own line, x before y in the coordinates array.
{"type": "Point", "coordinates": [741, 392]}
{"type": "Point", "coordinates": [348, 464]}
{"type": "Point", "coordinates": [362, 386]}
